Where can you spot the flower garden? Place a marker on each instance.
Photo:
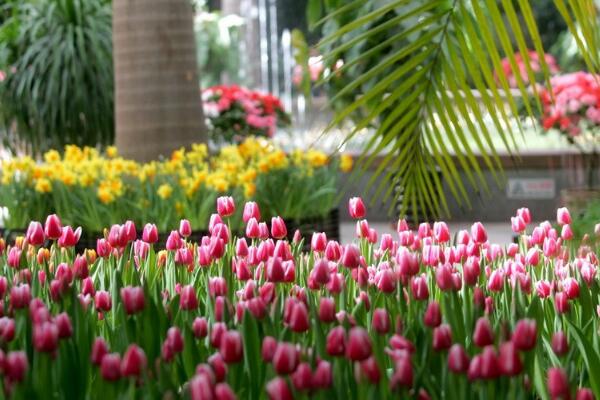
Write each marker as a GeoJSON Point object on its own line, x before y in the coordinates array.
{"type": "Point", "coordinates": [414, 314]}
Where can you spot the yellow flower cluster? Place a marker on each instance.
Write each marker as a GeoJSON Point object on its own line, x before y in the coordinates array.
{"type": "Point", "coordinates": [110, 176]}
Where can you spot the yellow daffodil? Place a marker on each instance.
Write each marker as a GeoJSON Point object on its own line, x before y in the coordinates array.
{"type": "Point", "coordinates": [346, 163]}
{"type": "Point", "coordinates": [43, 185]}
{"type": "Point", "coordinates": [164, 191]}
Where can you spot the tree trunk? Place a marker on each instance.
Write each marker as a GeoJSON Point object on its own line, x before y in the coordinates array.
{"type": "Point", "coordinates": [157, 93]}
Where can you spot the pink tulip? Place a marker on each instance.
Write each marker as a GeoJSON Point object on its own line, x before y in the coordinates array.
{"type": "Point", "coordinates": [584, 394]}
{"type": "Point", "coordinates": [285, 359]}
{"type": "Point", "coordinates": [563, 217]}
{"type": "Point", "coordinates": [277, 389]}
{"type": "Point", "coordinates": [478, 233]}
{"type": "Point", "coordinates": [442, 337]}
{"type": "Point", "coordinates": [45, 337]}
{"type": "Point", "coordinates": [326, 309]}
{"type": "Point", "coordinates": [419, 288]}
{"type": "Point", "coordinates": [16, 366]}
{"type": "Point", "coordinates": [302, 377]}
{"type": "Point", "coordinates": [525, 214]}
{"type": "Point", "coordinates": [53, 227]}
{"type": "Point", "coordinates": [299, 321]}
{"type": "Point", "coordinates": [225, 206]}
{"type": "Point", "coordinates": [359, 344]}
{"type": "Point", "coordinates": [224, 392]}
{"type": "Point", "coordinates": [381, 321]}
{"type": "Point", "coordinates": [7, 329]}
{"type": "Point", "coordinates": [134, 361]}
{"type": "Point", "coordinates": [174, 241]}
{"type": "Point", "coordinates": [20, 296]}
{"type": "Point", "coordinates": [490, 368]}
{"type": "Point", "coordinates": [571, 288]}
{"type": "Point", "coordinates": [525, 335]}
{"type": "Point", "coordinates": [441, 233]}
{"type": "Point", "coordinates": [188, 299]}
{"type": "Point", "coordinates": [517, 224]}
{"type": "Point", "coordinates": [99, 350]}
{"type": "Point", "coordinates": [350, 256]}
{"type": "Point", "coordinates": [269, 346]}
{"type": "Point", "coordinates": [110, 367]}
{"type": "Point", "coordinates": [318, 242]}
{"type": "Point", "coordinates": [560, 345]}
{"type": "Point", "coordinates": [200, 327]}
{"type": "Point", "coordinates": [133, 299]}
{"type": "Point", "coordinates": [370, 370]}
{"type": "Point", "coordinates": [278, 229]}
{"type": "Point", "coordinates": [561, 302]}
{"type": "Point", "coordinates": [433, 315]}
{"type": "Point", "coordinates": [251, 210]}
{"type": "Point", "coordinates": [336, 341]}
{"type": "Point", "coordinates": [185, 228]}
{"type": "Point", "coordinates": [356, 208]}
{"type": "Point", "coordinates": [63, 323]}
{"type": "Point", "coordinates": [458, 360]}
{"type": "Point", "coordinates": [483, 334]}
{"type": "Point", "coordinates": [509, 360]}
{"type": "Point", "coordinates": [558, 383]}
{"type": "Point", "coordinates": [35, 234]}
{"type": "Point", "coordinates": [150, 233]}
{"type": "Point", "coordinates": [403, 374]}
{"type": "Point", "coordinates": [231, 347]}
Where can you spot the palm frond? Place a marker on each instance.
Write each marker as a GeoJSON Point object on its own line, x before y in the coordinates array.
{"type": "Point", "coordinates": [425, 78]}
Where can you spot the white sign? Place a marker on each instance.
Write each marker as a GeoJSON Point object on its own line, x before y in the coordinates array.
{"type": "Point", "coordinates": [531, 188]}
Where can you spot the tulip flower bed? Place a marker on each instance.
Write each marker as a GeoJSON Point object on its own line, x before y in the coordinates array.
{"type": "Point", "coordinates": [425, 314]}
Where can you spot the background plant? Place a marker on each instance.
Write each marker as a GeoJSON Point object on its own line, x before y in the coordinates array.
{"type": "Point", "coordinates": [57, 55]}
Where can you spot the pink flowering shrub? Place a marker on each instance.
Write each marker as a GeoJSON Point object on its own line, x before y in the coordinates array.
{"type": "Point", "coordinates": [511, 75]}
{"type": "Point", "coordinates": [234, 113]}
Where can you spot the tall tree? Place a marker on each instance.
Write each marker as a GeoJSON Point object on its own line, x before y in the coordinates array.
{"type": "Point", "coordinates": [157, 94]}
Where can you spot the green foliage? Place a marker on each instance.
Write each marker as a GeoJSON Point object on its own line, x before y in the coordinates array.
{"type": "Point", "coordinates": [423, 76]}
{"type": "Point", "coordinates": [59, 84]}
{"type": "Point", "coordinates": [217, 41]}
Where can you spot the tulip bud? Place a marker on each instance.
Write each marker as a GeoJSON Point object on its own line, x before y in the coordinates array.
{"type": "Point", "coordinates": [63, 323]}
{"type": "Point", "coordinates": [359, 344]}
{"type": "Point", "coordinates": [225, 206]}
{"type": "Point", "coordinates": [490, 368]}
{"type": "Point", "coordinates": [433, 315]}
{"type": "Point", "coordinates": [563, 217]}
{"type": "Point", "coordinates": [517, 224]}
{"type": "Point", "coordinates": [285, 358]}
{"type": "Point", "coordinates": [99, 350]}
{"type": "Point", "coordinates": [336, 341]}
{"type": "Point", "coordinates": [558, 383]}
{"type": "Point", "coordinates": [200, 327]}
{"type": "Point", "coordinates": [20, 296]}
{"type": "Point", "coordinates": [35, 234]}
{"type": "Point", "coordinates": [370, 370]}
{"type": "Point", "coordinates": [110, 367]}
{"type": "Point", "coordinates": [560, 345]}
{"type": "Point", "coordinates": [525, 335]}
{"type": "Point", "coordinates": [509, 360]}
{"type": "Point", "coordinates": [224, 392]}
{"type": "Point", "coordinates": [478, 233]}
{"type": "Point", "coordinates": [278, 229]}
{"type": "Point", "coordinates": [251, 210]}
{"type": "Point", "coordinates": [188, 299]}
{"type": "Point", "coordinates": [216, 333]}
{"type": "Point", "coordinates": [386, 281]}
{"type": "Point", "coordinates": [16, 366]}
{"type": "Point", "coordinates": [403, 374]}
{"type": "Point", "coordinates": [441, 233]}
{"type": "Point", "coordinates": [381, 321]}
{"type": "Point", "coordinates": [419, 288]}
{"type": "Point", "coordinates": [134, 361]}
{"type": "Point", "coordinates": [318, 242]}
{"type": "Point", "coordinates": [584, 394]}
{"type": "Point", "coordinates": [103, 301]}
{"type": "Point", "coordinates": [458, 360]}
{"type": "Point", "coordinates": [231, 347]}
{"type": "Point", "coordinates": [53, 227]}
{"type": "Point", "coordinates": [133, 299]}
{"type": "Point", "coordinates": [302, 377]}
{"type": "Point", "coordinates": [320, 272]}
{"type": "Point", "coordinates": [333, 251]}
{"type": "Point", "coordinates": [150, 233]}
{"type": "Point", "coordinates": [561, 302]}
{"type": "Point", "coordinates": [201, 388]}
{"type": "Point", "coordinates": [483, 334]}
{"type": "Point", "coordinates": [103, 248]}
{"type": "Point", "coordinates": [326, 309]}
{"type": "Point", "coordinates": [185, 228]}
{"type": "Point", "coordinates": [356, 208]}
{"type": "Point", "coordinates": [443, 277]}
{"type": "Point", "coordinates": [45, 337]}
{"type": "Point", "coordinates": [68, 238]}
{"type": "Point", "coordinates": [442, 337]}
{"type": "Point", "coordinates": [7, 329]}
{"type": "Point", "coordinates": [350, 256]}
{"type": "Point", "coordinates": [277, 389]}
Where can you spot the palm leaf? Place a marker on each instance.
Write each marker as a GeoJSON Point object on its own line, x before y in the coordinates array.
{"type": "Point", "coordinates": [427, 84]}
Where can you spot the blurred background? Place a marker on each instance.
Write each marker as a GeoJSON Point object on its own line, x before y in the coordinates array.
{"type": "Point", "coordinates": [148, 76]}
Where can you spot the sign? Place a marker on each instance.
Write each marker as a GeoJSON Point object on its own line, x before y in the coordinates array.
{"type": "Point", "coordinates": [531, 188]}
